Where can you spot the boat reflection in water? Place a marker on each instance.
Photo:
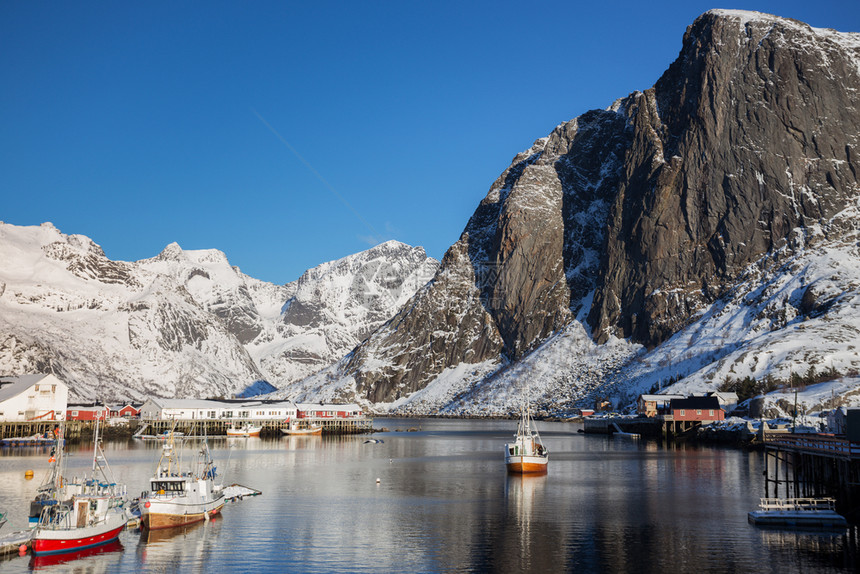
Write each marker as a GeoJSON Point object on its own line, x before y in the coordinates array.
{"type": "Point", "coordinates": [151, 537]}
{"type": "Point", "coordinates": [43, 561]}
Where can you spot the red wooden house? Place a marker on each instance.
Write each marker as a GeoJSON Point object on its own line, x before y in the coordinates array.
{"type": "Point", "coordinates": [87, 412]}
{"type": "Point", "coordinates": [127, 410]}
{"type": "Point", "coordinates": [705, 409]}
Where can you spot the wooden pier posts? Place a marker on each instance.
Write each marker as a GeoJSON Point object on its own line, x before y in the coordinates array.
{"type": "Point", "coordinates": [810, 466]}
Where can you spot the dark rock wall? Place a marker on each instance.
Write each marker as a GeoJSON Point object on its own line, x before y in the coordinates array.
{"type": "Point", "coordinates": [655, 205]}
{"type": "Point", "coordinates": [750, 135]}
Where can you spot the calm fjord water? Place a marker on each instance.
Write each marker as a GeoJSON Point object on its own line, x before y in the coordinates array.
{"type": "Point", "coordinates": [444, 503]}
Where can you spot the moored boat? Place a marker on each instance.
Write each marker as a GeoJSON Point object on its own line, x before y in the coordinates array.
{"type": "Point", "coordinates": [86, 512]}
{"type": "Point", "coordinates": [300, 428]}
{"type": "Point", "coordinates": [527, 454]}
{"type": "Point", "coordinates": [177, 497]}
{"type": "Point", "coordinates": [245, 430]}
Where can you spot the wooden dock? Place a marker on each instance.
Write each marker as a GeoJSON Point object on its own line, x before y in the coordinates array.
{"type": "Point", "coordinates": [75, 430]}
{"type": "Point", "coordinates": [15, 429]}
{"type": "Point", "coordinates": [270, 427]}
{"type": "Point", "coordinates": [624, 425]}
{"type": "Point", "coordinates": [814, 466]}
{"type": "Point", "coordinates": [11, 543]}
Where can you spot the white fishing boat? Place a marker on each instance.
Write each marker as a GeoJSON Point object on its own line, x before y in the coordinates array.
{"type": "Point", "coordinates": [527, 454]}
{"type": "Point", "coordinates": [295, 427]}
{"type": "Point", "coordinates": [177, 497]}
{"type": "Point", "coordinates": [82, 513]}
{"type": "Point", "coordinates": [244, 430]}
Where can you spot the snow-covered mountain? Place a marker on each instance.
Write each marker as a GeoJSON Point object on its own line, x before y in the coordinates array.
{"type": "Point", "coordinates": [184, 323]}
{"type": "Point", "coordinates": [334, 306]}
{"type": "Point", "coordinates": [699, 232]}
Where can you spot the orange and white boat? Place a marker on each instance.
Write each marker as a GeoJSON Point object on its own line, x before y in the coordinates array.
{"type": "Point", "coordinates": [527, 454]}
{"type": "Point", "coordinates": [245, 430]}
{"type": "Point", "coordinates": [297, 428]}
{"type": "Point", "coordinates": [177, 498]}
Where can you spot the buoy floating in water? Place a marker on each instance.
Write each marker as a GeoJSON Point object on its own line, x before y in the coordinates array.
{"type": "Point", "coordinates": [378, 481]}
{"type": "Point", "coordinates": [22, 549]}
{"type": "Point", "coordinates": [28, 474]}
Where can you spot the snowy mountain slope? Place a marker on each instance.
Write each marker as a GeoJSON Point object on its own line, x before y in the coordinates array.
{"type": "Point", "coordinates": [110, 329]}
{"type": "Point", "coordinates": [335, 305]}
{"type": "Point", "coordinates": [180, 324]}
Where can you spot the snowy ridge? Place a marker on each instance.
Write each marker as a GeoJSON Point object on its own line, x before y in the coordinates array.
{"type": "Point", "coordinates": [181, 324]}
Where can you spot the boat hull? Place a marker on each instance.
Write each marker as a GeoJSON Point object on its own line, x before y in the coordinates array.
{"type": "Point", "coordinates": [526, 464]}
{"type": "Point", "coordinates": [296, 432]}
{"type": "Point", "coordinates": [167, 514]}
{"type": "Point", "coordinates": [231, 432]}
{"type": "Point", "coordinates": [74, 539]}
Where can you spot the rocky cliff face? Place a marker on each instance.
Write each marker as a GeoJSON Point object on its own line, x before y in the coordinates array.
{"type": "Point", "coordinates": [750, 137]}
{"type": "Point", "coordinates": [637, 217]}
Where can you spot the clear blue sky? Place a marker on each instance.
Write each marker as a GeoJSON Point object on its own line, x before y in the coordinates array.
{"type": "Point", "coordinates": [288, 134]}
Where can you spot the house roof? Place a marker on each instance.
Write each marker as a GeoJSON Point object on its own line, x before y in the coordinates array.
{"type": "Point", "coordinates": [14, 386]}
{"type": "Point", "coordinates": [327, 407]}
{"type": "Point", "coordinates": [695, 403]}
{"type": "Point", "coordinates": [213, 404]}
{"type": "Point", "coordinates": [660, 398]}
{"type": "Point", "coordinates": [85, 406]}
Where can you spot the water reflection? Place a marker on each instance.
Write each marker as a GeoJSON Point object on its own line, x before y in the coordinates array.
{"type": "Point", "coordinates": [444, 503]}
{"type": "Point", "coordinates": [82, 559]}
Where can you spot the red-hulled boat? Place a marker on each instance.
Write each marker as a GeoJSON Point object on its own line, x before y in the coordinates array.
{"type": "Point", "coordinates": [86, 512]}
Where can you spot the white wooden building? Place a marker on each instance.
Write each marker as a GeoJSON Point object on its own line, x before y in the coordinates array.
{"type": "Point", "coordinates": [32, 398]}
{"type": "Point", "coordinates": [197, 409]}
{"type": "Point", "coordinates": [329, 411]}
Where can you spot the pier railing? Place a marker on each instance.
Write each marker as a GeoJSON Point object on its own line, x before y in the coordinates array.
{"type": "Point", "coordinates": [791, 504]}
{"type": "Point", "coordinates": [821, 444]}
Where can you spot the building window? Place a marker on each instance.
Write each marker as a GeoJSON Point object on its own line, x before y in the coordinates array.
{"type": "Point", "coordinates": [74, 413]}
{"type": "Point", "coordinates": [699, 412]}
{"type": "Point", "coordinates": [711, 412]}
{"type": "Point", "coordinates": [683, 412]}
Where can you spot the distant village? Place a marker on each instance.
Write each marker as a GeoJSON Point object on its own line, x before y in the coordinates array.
{"type": "Point", "coordinates": [41, 397]}
{"type": "Point", "coordinates": [44, 397]}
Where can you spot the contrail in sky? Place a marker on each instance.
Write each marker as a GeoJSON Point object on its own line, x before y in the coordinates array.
{"type": "Point", "coordinates": [377, 237]}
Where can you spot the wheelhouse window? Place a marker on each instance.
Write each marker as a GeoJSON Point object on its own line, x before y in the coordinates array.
{"type": "Point", "coordinates": [167, 485]}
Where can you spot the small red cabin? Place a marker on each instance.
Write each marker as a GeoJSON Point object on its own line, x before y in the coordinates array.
{"type": "Point", "coordinates": [128, 411]}
{"type": "Point", "coordinates": [696, 409]}
{"type": "Point", "coordinates": [87, 412]}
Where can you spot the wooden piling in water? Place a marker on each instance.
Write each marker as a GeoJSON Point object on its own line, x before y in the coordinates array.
{"type": "Point", "coordinates": [814, 466]}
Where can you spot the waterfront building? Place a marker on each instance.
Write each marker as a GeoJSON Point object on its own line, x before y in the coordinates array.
{"type": "Point", "coordinates": [654, 405]}
{"type": "Point", "coordinates": [127, 410]}
{"type": "Point", "coordinates": [728, 400]}
{"type": "Point", "coordinates": [87, 412]}
{"type": "Point", "coordinates": [33, 397]}
{"type": "Point", "coordinates": [702, 409]}
{"type": "Point", "coordinates": [206, 409]}
{"type": "Point", "coordinates": [328, 411]}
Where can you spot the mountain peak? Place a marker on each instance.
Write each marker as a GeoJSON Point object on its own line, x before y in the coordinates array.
{"type": "Point", "coordinates": [171, 252]}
